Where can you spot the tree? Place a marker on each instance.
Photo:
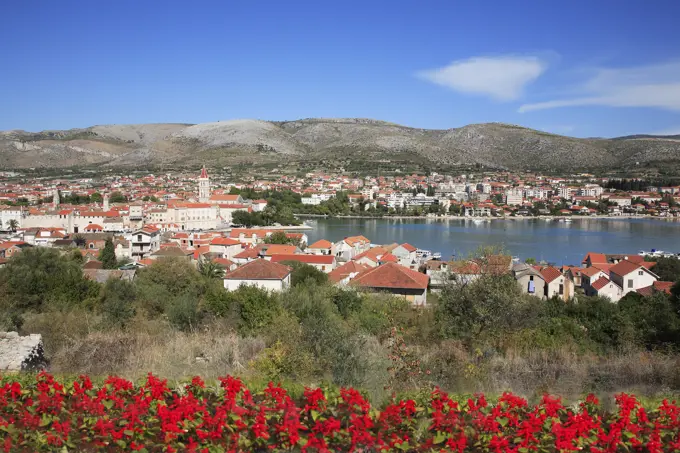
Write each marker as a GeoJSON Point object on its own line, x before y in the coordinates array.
{"type": "Point", "coordinates": [530, 260]}
{"type": "Point", "coordinates": [96, 197]}
{"type": "Point", "coordinates": [117, 197]}
{"type": "Point", "coordinates": [41, 278]}
{"type": "Point", "coordinates": [108, 255]}
{"type": "Point", "coordinates": [80, 240]}
{"type": "Point", "coordinates": [117, 302]}
{"type": "Point", "coordinates": [279, 237]}
{"type": "Point", "coordinates": [13, 224]}
{"type": "Point", "coordinates": [210, 269]}
{"type": "Point", "coordinates": [304, 272]}
{"type": "Point", "coordinates": [668, 269]}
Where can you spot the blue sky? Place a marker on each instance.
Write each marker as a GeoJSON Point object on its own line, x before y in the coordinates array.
{"type": "Point", "coordinates": [583, 68]}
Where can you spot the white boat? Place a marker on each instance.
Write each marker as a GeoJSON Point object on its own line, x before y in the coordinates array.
{"type": "Point", "coordinates": [567, 220]}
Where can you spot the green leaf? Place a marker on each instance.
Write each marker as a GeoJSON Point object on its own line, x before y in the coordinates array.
{"type": "Point", "coordinates": [107, 404]}
{"type": "Point", "coordinates": [129, 432]}
{"type": "Point", "coordinates": [503, 421]}
{"type": "Point", "coordinates": [315, 414]}
{"type": "Point", "coordinates": [440, 437]}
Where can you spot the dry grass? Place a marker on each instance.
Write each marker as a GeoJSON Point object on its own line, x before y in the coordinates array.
{"type": "Point", "coordinates": [211, 353]}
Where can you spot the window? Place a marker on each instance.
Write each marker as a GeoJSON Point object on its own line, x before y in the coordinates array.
{"type": "Point", "coordinates": [139, 238]}
{"type": "Point", "coordinates": [630, 283]}
{"type": "Point", "coordinates": [640, 272]}
{"type": "Point", "coordinates": [561, 289]}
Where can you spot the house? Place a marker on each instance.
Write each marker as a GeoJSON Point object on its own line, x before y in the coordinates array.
{"type": "Point", "coordinates": [144, 242]}
{"type": "Point", "coordinates": [261, 273]}
{"type": "Point", "coordinates": [395, 279]}
{"type": "Point", "coordinates": [657, 287]}
{"type": "Point", "coordinates": [631, 276]}
{"type": "Point", "coordinates": [266, 251]}
{"type": "Point", "coordinates": [343, 274]}
{"type": "Point", "coordinates": [9, 249]}
{"type": "Point", "coordinates": [590, 275]}
{"type": "Point", "coordinates": [350, 247]}
{"type": "Point", "coordinates": [324, 263]}
{"type": "Point", "coordinates": [439, 273]}
{"type": "Point", "coordinates": [604, 287]}
{"type": "Point", "coordinates": [225, 247]}
{"type": "Point", "coordinates": [227, 264]}
{"type": "Point", "coordinates": [246, 256]}
{"type": "Point", "coordinates": [172, 252]}
{"type": "Point", "coordinates": [320, 247]}
{"type": "Point", "coordinates": [556, 284]}
{"type": "Point", "coordinates": [406, 253]}
{"type": "Point", "coordinates": [371, 257]}
{"type": "Point", "coordinates": [593, 259]}
{"type": "Point", "coordinates": [530, 280]}
{"type": "Point", "coordinates": [574, 274]}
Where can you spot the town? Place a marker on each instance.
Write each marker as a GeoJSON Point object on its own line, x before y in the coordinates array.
{"type": "Point", "coordinates": [149, 218]}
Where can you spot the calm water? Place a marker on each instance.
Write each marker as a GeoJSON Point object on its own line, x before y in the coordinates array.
{"type": "Point", "coordinates": [552, 241]}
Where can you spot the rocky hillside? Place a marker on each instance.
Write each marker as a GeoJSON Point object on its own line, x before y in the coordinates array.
{"type": "Point", "coordinates": [255, 141]}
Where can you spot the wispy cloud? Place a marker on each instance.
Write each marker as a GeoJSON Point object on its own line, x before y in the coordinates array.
{"type": "Point", "coordinates": [500, 78]}
{"type": "Point", "coordinates": [655, 86]}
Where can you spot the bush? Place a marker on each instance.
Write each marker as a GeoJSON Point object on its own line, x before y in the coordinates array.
{"type": "Point", "coordinates": [117, 302]}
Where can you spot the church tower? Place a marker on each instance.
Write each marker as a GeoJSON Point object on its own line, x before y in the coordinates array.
{"type": "Point", "coordinates": [107, 205]}
{"type": "Point", "coordinates": [55, 199]}
{"type": "Point", "coordinates": [204, 186]}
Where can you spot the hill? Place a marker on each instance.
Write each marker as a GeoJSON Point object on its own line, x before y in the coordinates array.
{"type": "Point", "coordinates": [255, 141]}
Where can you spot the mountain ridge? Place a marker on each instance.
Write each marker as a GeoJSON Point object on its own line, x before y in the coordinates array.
{"type": "Point", "coordinates": [227, 142]}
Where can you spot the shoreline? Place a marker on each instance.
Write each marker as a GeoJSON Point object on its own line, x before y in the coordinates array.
{"type": "Point", "coordinates": [450, 217]}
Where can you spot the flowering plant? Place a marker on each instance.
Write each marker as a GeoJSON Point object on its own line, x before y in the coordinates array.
{"type": "Point", "coordinates": [50, 415]}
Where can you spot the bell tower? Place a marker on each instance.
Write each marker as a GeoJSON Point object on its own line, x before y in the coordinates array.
{"type": "Point", "coordinates": [55, 198]}
{"type": "Point", "coordinates": [204, 186]}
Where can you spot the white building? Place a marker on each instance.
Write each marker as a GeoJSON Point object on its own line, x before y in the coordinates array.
{"type": "Point", "coordinates": [9, 213]}
{"type": "Point", "coordinates": [143, 243]}
{"type": "Point", "coordinates": [261, 273]}
{"type": "Point", "coordinates": [514, 196]}
{"type": "Point", "coordinates": [315, 198]}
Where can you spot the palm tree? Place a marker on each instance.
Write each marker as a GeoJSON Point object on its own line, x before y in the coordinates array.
{"type": "Point", "coordinates": [13, 225]}
{"type": "Point", "coordinates": [210, 269]}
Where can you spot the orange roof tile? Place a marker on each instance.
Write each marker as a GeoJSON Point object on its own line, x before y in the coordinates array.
{"type": "Point", "coordinates": [344, 271]}
{"type": "Point", "coordinates": [259, 270]}
{"type": "Point", "coordinates": [600, 283]}
{"type": "Point", "coordinates": [391, 275]}
{"type": "Point", "coordinates": [550, 273]}
{"type": "Point", "coordinates": [624, 267]}
{"type": "Point", "coordinates": [321, 244]}
{"type": "Point", "coordinates": [309, 259]}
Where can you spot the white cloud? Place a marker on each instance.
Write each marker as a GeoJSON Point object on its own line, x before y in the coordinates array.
{"type": "Point", "coordinates": [655, 86]}
{"type": "Point", "coordinates": [500, 78]}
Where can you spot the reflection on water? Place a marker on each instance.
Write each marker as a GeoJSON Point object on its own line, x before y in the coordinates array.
{"type": "Point", "coordinates": [556, 242]}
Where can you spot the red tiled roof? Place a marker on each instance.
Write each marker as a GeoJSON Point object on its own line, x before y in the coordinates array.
{"type": "Point", "coordinates": [389, 258]}
{"type": "Point", "coordinates": [259, 270]}
{"type": "Point", "coordinates": [600, 283]}
{"type": "Point", "coordinates": [595, 258]}
{"type": "Point", "coordinates": [624, 267]}
{"type": "Point", "coordinates": [224, 241]}
{"type": "Point", "coordinates": [346, 269]}
{"type": "Point", "coordinates": [224, 197]}
{"type": "Point", "coordinates": [224, 262]}
{"type": "Point", "coordinates": [663, 286]}
{"type": "Point", "coordinates": [590, 271]}
{"type": "Point", "coordinates": [550, 273]}
{"type": "Point", "coordinates": [277, 249]}
{"type": "Point", "coordinates": [391, 275]}
{"type": "Point", "coordinates": [309, 259]}
{"type": "Point", "coordinates": [409, 247]}
{"type": "Point", "coordinates": [94, 226]}
{"type": "Point", "coordinates": [321, 244]}
{"type": "Point", "coordinates": [204, 172]}
{"type": "Point", "coordinates": [248, 253]}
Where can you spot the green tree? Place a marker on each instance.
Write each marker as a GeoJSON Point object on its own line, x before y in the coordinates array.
{"type": "Point", "coordinates": [107, 255]}
{"type": "Point", "coordinates": [668, 269]}
{"type": "Point", "coordinates": [117, 302]}
{"type": "Point", "coordinates": [117, 197]}
{"type": "Point", "coordinates": [279, 237]}
{"type": "Point", "coordinates": [13, 224]}
{"type": "Point", "coordinates": [256, 308]}
{"type": "Point", "coordinates": [210, 269]}
{"type": "Point", "coordinates": [530, 260]}
{"type": "Point", "coordinates": [96, 198]}
{"type": "Point", "coordinates": [303, 273]}
{"type": "Point", "coordinates": [41, 278]}
{"type": "Point", "coordinates": [654, 317]}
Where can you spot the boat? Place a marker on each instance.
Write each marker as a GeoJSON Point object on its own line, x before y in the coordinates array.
{"type": "Point", "coordinates": [568, 220]}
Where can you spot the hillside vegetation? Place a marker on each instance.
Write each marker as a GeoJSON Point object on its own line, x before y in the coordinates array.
{"type": "Point", "coordinates": [255, 141]}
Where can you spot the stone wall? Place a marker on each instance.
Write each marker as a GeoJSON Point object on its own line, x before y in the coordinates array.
{"type": "Point", "coordinates": [19, 353]}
